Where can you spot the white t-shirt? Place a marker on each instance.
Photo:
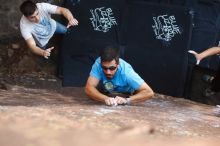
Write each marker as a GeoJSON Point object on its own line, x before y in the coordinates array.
{"type": "Point", "coordinates": [42, 31]}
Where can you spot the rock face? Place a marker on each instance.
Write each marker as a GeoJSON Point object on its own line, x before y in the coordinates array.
{"type": "Point", "coordinates": [65, 116]}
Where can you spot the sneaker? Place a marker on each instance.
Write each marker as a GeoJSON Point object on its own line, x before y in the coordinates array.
{"type": "Point", "coordinates": [207, 78]}
{"type": "Point", "coordinates": [209, 92]}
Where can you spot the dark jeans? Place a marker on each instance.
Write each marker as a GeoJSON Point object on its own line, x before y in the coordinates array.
{"type": "Point", "coordinates": [60, 28]}
{"type": "Point", "coordinates": [216, 82]}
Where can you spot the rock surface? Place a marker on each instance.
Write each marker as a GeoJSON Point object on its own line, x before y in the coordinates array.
{"type": "Point", "coordinates": [51, 115]}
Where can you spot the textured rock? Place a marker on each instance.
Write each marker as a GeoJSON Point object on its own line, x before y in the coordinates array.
{"type": "Point", "coordinates": [65, 116]}
{"type": "Point", "coordinates": [15, 46]}
{"type": "Point", "coordinates": [1, 60]}
{"type": "Point", "coordinates": [10, 53]}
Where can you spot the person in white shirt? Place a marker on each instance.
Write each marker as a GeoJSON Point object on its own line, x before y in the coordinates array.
{"type": "Point", "coordinates": [37, 26]}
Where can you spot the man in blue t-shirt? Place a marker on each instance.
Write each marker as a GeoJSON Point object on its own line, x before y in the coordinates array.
{"type": "Point", "coordinates": [113, 81]}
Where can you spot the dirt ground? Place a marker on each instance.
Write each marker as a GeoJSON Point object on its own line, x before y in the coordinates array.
{"type": "Point", "coordinates": [36, 110]}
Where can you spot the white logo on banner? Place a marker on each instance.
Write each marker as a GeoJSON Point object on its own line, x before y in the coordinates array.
{"type": "Point", "coordinates": [102, 19]}
{"type": "Point", "coordinates": [165, 27]}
